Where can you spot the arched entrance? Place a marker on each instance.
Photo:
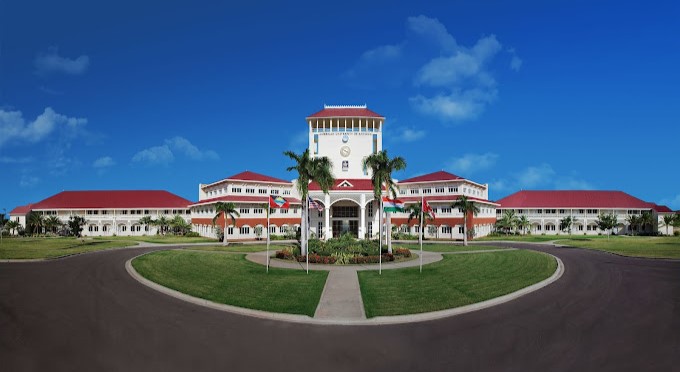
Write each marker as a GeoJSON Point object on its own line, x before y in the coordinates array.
{"type": "Point", "coordinates": [345, 218]}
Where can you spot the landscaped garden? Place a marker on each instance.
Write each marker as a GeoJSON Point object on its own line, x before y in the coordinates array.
{"type": "Point", "coordinates": [455, 281]}
{"type": "Point", "coordinates": [32, 248]}
{"type": "Point", "coordinates": [231, 279]}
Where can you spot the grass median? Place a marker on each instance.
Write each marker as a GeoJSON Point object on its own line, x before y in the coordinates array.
{"type": "Point", "coordinates": [238, 248]}
{"type": "Point", "coordinates": [634, 246]}
{"type": "Point", "coordinates": [32, 248]}
{"type": "Point", "coordinates": [233, 280]}
{"type": "Point", "coordinates": [161, 239]}
{"type": "Point", "coordinates": [441, 247]}
{"type": "Point", "coordinates": [455, 281]}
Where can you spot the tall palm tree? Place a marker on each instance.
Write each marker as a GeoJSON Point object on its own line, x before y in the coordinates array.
{"type": "Point", "coordinates": [179, 224]}
{"type": "Point", "coordinates": [668, 220]}
{"type": "Point", "coordinates": [52, 223]}
{"type": "Point", "coordinates": [146, 221]}
{"type": "Point", "coordinates": [12, 226]}
{"type": "Point", "coordinates": [466, 206]}
{"type": "Point", "coordinates": [523, 223]}
{"type": "Point", "coordinates": [646, 219]}
{"type": "Point", "coordinates": [35, 221]}
{"type": "Point", "coordinates": [381, 167]}
{"type": "Point", "coordinates": [229, 211]}
{"type": "Point", "coordinates": [414, 213]}
{"type": "Point", "coordinates": [565, 224]}
{"type": "Point", "coordinates": [162, 223]}
{"type": "Point", "coordinates": [309, 169]}
{"type": "Point", "coordinates": [633, 220]}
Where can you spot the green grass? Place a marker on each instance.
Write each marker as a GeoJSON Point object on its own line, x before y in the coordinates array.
{"type": "Point", "coordinates": [524, 238]}
{"type": "Point", "coordinates": [27, 248]}
{"type": "Point", "coordinates": [455, 281]}
{"type": "Point", "coordinates": [160, 239]}
{"type": "Point", "coordinates": [235, 247]}
{"type": "Point", "coordinates": [231, 279]}
{"type": "Point", "coordinates": [634, 246]}
{"type": "Point", "coordinates": [447, 247]}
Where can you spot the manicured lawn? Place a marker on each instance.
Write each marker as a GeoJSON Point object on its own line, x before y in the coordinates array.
{"type": "Point", "coordinates": [160, 239]}
{"type": "Point", "coordinates": [455, 281]}
{"type": "Point", "coordinates": [246, 248]}
{"type": "Point", "coordinates": [635, 246]}
{"type": "Point", "coordinates": [26, 248]}
{"type": "Point", "coordinates": [525, 238]}
{"type": "Point", "coordinates": [447, 247]}
{"type": "Point", "coordinates": [231, 279]}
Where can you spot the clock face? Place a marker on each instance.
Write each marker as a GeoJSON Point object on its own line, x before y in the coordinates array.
{"type": "Point", "coordinates": [345, 138]}
{"type": "Point", "coordinates": [345, 151]}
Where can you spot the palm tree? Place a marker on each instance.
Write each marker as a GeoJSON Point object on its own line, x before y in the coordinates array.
{"type": "Point", "coordinates": [466, 206]}
{"type": "Point", "coordinates": [179, 224]}
{"type": "Point", "coordinates": [309, 169]}
{"type": "Point", "coordinates": [12, 226]}
{"type": "Point", "coordinates": [162, 223]}
{"type": "Point", "coordinates": [523, 223]}
{"type": "Point", "coordinates": [633, 220]}
{"type": "Point", "coordinates": [508, 221]}
{"type": "Point", "coordinates": [52, 222]}
{"type": "Point", "coordinates": [146, 221]}
{"type": "Point", "coordinates": [646, 219]}
{"type": "Point", "coordinates": [668, 220]}
{"type": "Point", "coordinates": [414, 210]}
{"type": "Point", "coordinates": [228, 210]}
{"type": "Point", "coordinates": [35, 221]}
{"type": "Point", "coordinates": [381, 167]}
{"type": "Point", "coordinates": [565, 224]}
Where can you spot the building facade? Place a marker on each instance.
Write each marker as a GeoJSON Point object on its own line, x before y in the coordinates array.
{"type": "Point", "coordinates": [545, 210]}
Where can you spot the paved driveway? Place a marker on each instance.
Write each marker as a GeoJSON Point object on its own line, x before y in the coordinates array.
{"type": "Point", "coordinates": [606, 313]}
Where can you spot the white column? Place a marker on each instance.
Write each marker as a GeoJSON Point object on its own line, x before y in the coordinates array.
{"type": "Point", "coordinates": [362, 225]}
{"type": "Point", "coordinates": [327, 215]}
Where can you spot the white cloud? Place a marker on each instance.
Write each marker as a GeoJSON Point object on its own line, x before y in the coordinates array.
{"type": "Point", "coordinates": [535, 176]}
{"type": "Point", "coordinates": [408, 135]}
{"type": "Point", "coordinates": [470, 163]}
{"type": "Point", "coordinates": [165, 154]}
{"type": "Point", "coordinates": [52, 62]}
{"type": "Point", "coordinates": [104, 162]}
{"type": "Point", "coordinates": [14, 127]}
{"type": "Point", "coordinates": [458, 105]}
{"type": "Point", "coordinates": [432, 30]}
{"type": "Point", "coordinates": [28, 181]}
{"type": "Point", "coordinates": [570, 183]}
{"type": "Point", "coordinates": [541, 176]}
{"type": "Point", "coordinates": [181, 144]}
{"type": "Point", "coordinates": [515, 61]}
{"type": "Point", "coordinates": [382, 53]}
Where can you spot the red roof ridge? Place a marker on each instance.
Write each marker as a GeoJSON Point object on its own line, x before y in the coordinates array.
{"type": "Point", "coordinates": [332, 111]}
{"type": "Point", "coordinates": [252, 177]}
{"type": "Point", "coordinates": [432, 177]}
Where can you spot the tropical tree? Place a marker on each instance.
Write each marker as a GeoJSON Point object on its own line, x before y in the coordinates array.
{"type": "Point", "coordinates": [35, 222]}
{"type": "Point", "coordinates": [381, 167]}
{"type": "Point", "coordinates": [180, 225]}
{"type": "Point", "coordinates": [668, 220]}
{"type": "Point", "coordinates": [633, 221]}
{"type": "Point", "coordinates": [12, 226]}
{"type": "Point", "coordinates": [523, 224]}
{"type": "Point", "coordinates": [162, 223]}
{"type": "Point", "coordinates": [466, 206]}
{"type": "Point", "coordinates": [228, 210]}
{"type": "Point", "coordinates": [146, 221]}
{"type": "Point", "coordinates": [414, 213]}
{"type": "Point", "coordinates": [565, 224]}
{"type": "Point", "coordinates": [52, 223]}
{"type": "Point", "coordinates": [508, 221]}
{"type": "Point", "coordinates": [646, 219]}
{"type": "Point", "coordinates": [309, 169]}
{"type": "Point", "coordinates": [75, 225]}
{"type": "Point", "coordinates": [606, 222]}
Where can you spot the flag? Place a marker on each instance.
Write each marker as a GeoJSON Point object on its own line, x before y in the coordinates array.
{"type": "Point", "coordinates": [278, 202]}
{"type": "Point", "coordinates": [314, 204]}
{"type": "Point", "coordinates": [427, 208]}
{"type": "Point", "coordinates": [392, 205]}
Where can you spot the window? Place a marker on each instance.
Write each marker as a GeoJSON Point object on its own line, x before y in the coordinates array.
{"type": "Point", "coordinates": [258, 211]}
{"type": "Point", "coordinates": [105, 228]}
{"type": "Point", "coordinates": [244, 230]}
{"type": "Point", "coordinates": [272, 229]}
{"type": "Point", "coordinates": [370, 229]}
{"type": "Point", "coordinates": [320, 214]}
{"type": "Point", "coordinates": [427, 191]}
{"type": "Point", "coordinates": [347, 211]}
{"type": "Point", "coordinates": [319, 229]}
{"type": "Point", "coordinates": [460, 230]}
{"type": "Point", "coordinates": [230, 230]}
{"type": "Point", "coordinates": [123, 228]}
{"type": "Point", "coordinates": [538, 227]}
{"type": "Point", "coordinates": [295, 210]}
{"type": "Point", "coordinates": [446, 210]}
{"type": "Point", "coordinates": [262, 191]}
{"type": "Point", "coordinates": [375, 143]}
{"type": "Point", "coordinates": [105, 212]}
{"type": "Point", "coordinates": [284, 211]}
{"type": "Point", "coordinates": [592, 211]}
{"type": "Point", "coordinates": [250, 191]}
{"type": "Point", "coordinates": [439, 190]}
{"type": "Point", "coordinates": [539, 211]}
{"type": "Point", "coordinates": [581, 211]}
{"type": "Point", "coordinates": [414, 191]}
{"type": "Point", "coordinates": [123, 212]}
{"type": "Point", "coordinates": [236, 189]}
{"type": "Point", "coordinates": [274, 192]}
{"type": "Point", "coordinates": [370, 209]}
{"type": "Point", "coordinates": [316, 144]}
{"type": "Point", "coordinates": [402, 192]}
{"type": "Point", "coordinates": [453, 189]}
{"type": "Point", "coordinates": [562, 211]}
{"type": "Point", "coordinates": [244, 210]}
{"type": "Point", "coordinates": [580, 227]}
{"type": "Point", "coordinates": [286, 192]}
{"type": "Point", "coordinates": [167, 211]}
{"type": "Point", "coordinates": [446, 229]}
{"type": "Point", "coordinates": [283, 229]}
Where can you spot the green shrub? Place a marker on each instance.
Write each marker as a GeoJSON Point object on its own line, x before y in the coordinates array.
{"type": "Point", "coordinates": [676, 233]}
{"type": "Point", "coordinates": [192, 234]}
{"type": "Point", "coordinates": [403, 252]}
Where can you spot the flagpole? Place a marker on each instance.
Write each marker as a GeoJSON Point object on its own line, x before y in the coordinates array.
{"type": "Point", "coordinates": [420, 235]}
{"type": "Point", "coordinates": [380, 228]}
{"type": "Point", "coordinates": [304, 233]}
{"type": "Point", "coordinates": [267, 237]}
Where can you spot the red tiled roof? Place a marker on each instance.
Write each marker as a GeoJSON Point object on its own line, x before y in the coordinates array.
{"type": "Point", "coordinates": [572, 199]}
{"type": "Point", "coordinates": [345, 112]}
{"type": "Point", "coordinates": [438, 198]}
{"type": "Point", "coordinates": [662, 209]}
{"type": "Point", "coordinates": [358, 184]}
{"type": "Point", "coordinates": [96, 199]}
{"type": "Point", "coordinates": [255, 177]}
{"type": "Point", "coordinates": [436, 176]}
{"type": "Point", "coordinates": [21, 210]}
{"type": "Point", "coordinates": [242, 199]}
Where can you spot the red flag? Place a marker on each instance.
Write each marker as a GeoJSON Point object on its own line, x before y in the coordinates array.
{"type": "Point", "coordinates": [427, 208]}
{"type": "Point", "coordinates": [278, 202]}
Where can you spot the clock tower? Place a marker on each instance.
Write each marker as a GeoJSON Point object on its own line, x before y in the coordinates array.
{"type": "Point", "coordinates": [346, 135]}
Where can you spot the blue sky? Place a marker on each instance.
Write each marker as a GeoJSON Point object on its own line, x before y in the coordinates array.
{"type": "Point", "coordinates": [520, 95]}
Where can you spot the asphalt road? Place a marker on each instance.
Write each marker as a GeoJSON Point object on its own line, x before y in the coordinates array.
{"type": "Point", "coordinates": [85, 313]}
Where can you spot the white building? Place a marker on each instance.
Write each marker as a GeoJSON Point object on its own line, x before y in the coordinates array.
{"type": "Point", "coordinates": [346, 135]}
{"type": "Point", "coordinates": [109, 213]}
{"type": "Point", "coordinates": [545, 209]}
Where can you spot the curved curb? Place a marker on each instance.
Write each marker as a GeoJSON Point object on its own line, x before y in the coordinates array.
{"type": "Point", "coordinates": [383, 320]}
{"type": "Point", "coordinates": [58, 258]}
